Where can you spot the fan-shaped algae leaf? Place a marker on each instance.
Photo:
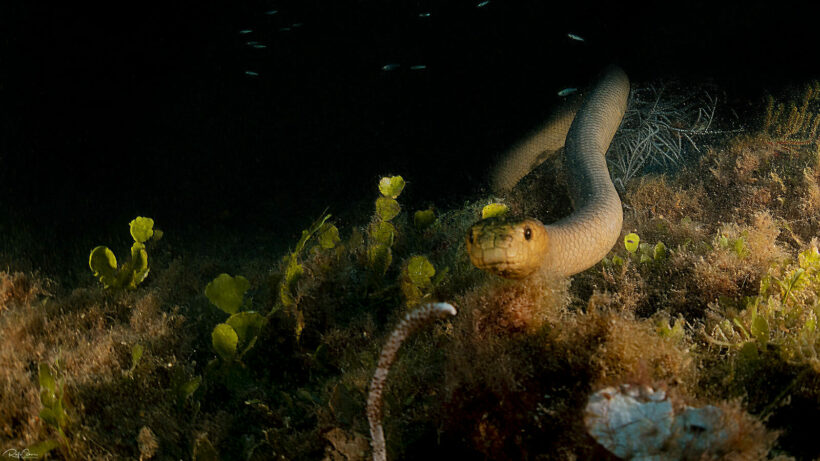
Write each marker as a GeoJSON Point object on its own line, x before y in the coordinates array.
{"type": "Point", "coordinates": [659, 252]}
{"type": "Point", "coordinates": [247, 325]}
{"type": "Point", "coordinates": [224, 340]}
{"type": "Point", "coordinates": [227, 292]}
{"type": "Point", "coordinates": [423, 219]}
{"type": "Point", "coordinates": [104, 265]}
{"type": "Point", "coordinates": [387, 208]}
{"type": "Point", "coordinates": [631, 242]}
{"type": "Point", "coordinates": [391, 187]}
{"type": "Point", "coordinates": [188, 388]}
{"type": "Point", "coordinates": [329, 236]}
{"type": "Point", "coordinates": [137, 269]}
{"type": "Point", "coordinates": [46, 379]}
{"type": "Point", "coordinates": [380, 257]}
{"type": "Point", "coordinates": [382, 232]}
{"type": "Point", "coordinates": [142, 229]}
{"type": "Point", "coordinates": [420, 270]}
{"type": "Point", "coordinates": [760, 328]}
{"type": "Point", "coordinates": [494, 210]}
{"type": "Point", "coordinates": [136, 355]}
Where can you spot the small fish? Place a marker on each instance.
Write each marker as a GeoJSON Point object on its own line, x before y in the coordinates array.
{"type": "Point", "coordinates": [297, 24]}
{"type": "Point", "coordinates": [418, 67]}
{"type": "Point", "coordinates": [567, 91]}
{"type": "Point", "coordinates": [259, 46]}
{"type": "Point", "coordinates": [483, 4]}
{"type": "Point", "coordinates": [251, 73]}
{"type": "Point", "coordinates": [575, 37]}
{"type": "Point", "coordinates": [245, 31]}
{"type": "Point", "coordinates": [271, 12]}
{"type": "Point", "coordinates": [389, 67]}
{"type": "Point", "coordinates": [424, 15]}
{"type": "Point", "coordinates": [252, 43]}
{"type": "Point", "coordinates": [284, 29]}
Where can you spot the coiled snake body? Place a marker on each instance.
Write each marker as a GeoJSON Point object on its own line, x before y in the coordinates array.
{"type": "Point", "coordinates": [578, 241]}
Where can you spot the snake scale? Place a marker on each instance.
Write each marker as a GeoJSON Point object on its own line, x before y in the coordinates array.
{"type": "Point", "coordinates": [517, 249]}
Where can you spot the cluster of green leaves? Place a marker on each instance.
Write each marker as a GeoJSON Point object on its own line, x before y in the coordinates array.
{"type": "Point", "coordinates": [381, 232]}
{"type": "Point", "coordinates": [327, 236]}
{"type": "Point", "coordinates": [737, 245]}
{"type": "Point", "coordinates": [783, 315]}
{"type": "Point", "coordinates": [103, 263]}
{"type": "Point", "coordinates": [237, 335]}
{"type": "Point", "coordinates": [54, 408]}
{"type": "Point", "coordinates": [642, 253]}
{"type": "Point", "coordinates": [418, 278]}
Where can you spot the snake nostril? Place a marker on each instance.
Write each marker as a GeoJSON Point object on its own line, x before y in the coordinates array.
{"type": "Point", "coordinates": [527, 233]}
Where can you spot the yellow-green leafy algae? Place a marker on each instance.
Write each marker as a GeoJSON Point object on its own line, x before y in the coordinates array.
{"type": "Point", "coordinates": [494, 210]}
{"type": "Point", "coordinates": [381, 231]}
{"type": "Point", "coordinates": [104, 264]}
{"type": "Point", "coordinates": [423, 219]}
{"type": "Point", "coordinates": [711, 311]}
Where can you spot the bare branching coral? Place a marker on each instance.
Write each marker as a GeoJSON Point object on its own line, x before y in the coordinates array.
{"type": "Point", "coordinates": [660, 129]}
{"type": "Point", "coordinates": [411, 322]}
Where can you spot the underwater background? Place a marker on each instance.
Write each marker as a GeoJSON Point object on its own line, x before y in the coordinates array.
{"type": "Point", "coordinates": [153, 112]}
{"type": "Point", "coordinates": [235, 126]}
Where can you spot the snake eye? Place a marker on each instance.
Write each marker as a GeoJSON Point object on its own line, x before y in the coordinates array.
{"type": "Point", "coordinates": [527, 233]}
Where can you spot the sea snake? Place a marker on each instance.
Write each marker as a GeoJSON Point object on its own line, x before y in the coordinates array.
{"type": "Point", "coordinates": [516, 249]}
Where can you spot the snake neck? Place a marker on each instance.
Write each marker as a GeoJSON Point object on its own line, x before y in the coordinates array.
{"type": "Point", "coordinates": [570, 249]}
{"type": "Point", "coordinates": [583, 238]}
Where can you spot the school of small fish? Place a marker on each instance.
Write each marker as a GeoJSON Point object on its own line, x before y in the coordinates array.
{"type": "Point", "coordinates": [391, 66]}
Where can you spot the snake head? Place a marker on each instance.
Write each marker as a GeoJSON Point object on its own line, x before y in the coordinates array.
{"type": "Point", "coordinates": [510, 249]}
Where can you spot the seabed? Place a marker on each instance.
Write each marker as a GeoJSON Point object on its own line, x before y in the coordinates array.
{"type": "Point", "coordinates": [707, 328]}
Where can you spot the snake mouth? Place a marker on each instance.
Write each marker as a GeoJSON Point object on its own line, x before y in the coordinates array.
{"type": "Point", "coordinates": [507, 272]}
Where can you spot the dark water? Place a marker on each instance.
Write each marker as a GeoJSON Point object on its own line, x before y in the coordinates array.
{"type": "Point", "coordinates": [165, 110]}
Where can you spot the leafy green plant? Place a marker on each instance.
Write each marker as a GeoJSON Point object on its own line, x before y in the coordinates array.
{"type": "Point", "coordinates": [103, 263]}
{"type": "Point", "coordinates": [494, 210]}
{"type": "Point", "coordinates": [52, 393]}
{"type": "Point", "coordinates": [328, 237]}
{"type": "Point", "coordinates": [381, 231]}
{"type": "Point", "coordinates": [639, 252]}
{"type": "Point", "coordinates": [417, 280]}
{"type": "Point", "coordinates": [238, 334]}
{"type": "Point", "coordinates": [737, 245]}
{"type": "Point", "coordinates": [783, 314]}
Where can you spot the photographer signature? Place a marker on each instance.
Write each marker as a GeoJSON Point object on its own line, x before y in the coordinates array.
{"type": "Point", "coordinates": [19, 454]}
